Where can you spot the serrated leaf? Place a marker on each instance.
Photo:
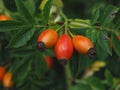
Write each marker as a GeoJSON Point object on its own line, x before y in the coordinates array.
{"type": "Point", "coordinates": [109, 78]}
{"type": "Point", "coordinates": [92, 35]}
{"type": "Point", "coordinates": [104, 42]}
{"type": "Point", "coordinates": [46, 11]}
{"type": "Point", "coordinates": [21, 38]}
{"type": "Point", "coordinates": [95, 16]}
{"type": "Point", "coordinates": [24, 12]}
{"type": "Point", "coordinates": [6, 26]}
{"type": "Point", "coordinates": [40, 65]}
{"type": "Point", "coordinates": [116, 44]}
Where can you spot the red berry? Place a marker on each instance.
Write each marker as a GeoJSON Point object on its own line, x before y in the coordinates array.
{"type": "Point", "coordinates": [83, 45]}
{"type": "Point", "coordinates": [63, 48]}
{"type": "Point", "coordinates": [47, 39]}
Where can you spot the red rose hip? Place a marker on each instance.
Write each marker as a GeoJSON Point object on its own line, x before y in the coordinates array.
{"type": "Point", "coordinates": [63, 48]}
{"type": "Point", "coordinates": [47, 39]}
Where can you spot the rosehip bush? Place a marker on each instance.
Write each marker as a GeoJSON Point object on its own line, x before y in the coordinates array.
{"type": "Point", "coordinates": [44, 48]}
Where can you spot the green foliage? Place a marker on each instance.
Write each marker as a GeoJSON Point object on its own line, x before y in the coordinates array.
{"type": "Point", "coordinates": [109, 78]}
{"type": "Point", "coordinates": [19, 53]}
{"type": "Point", "coordinates": [95, 86]}
{"type": "Point", "coordinates": [24, 12]}
{"type": "Point", "coordinates": [39, 64]}
{"type": "Point", "coordinates": [46, 11]}
{"type": "Point", "coordinates": [116, 43]}
{"type": "Point", "coordinates": [104, 43]}
{"type": "Point", "coordinates": [12, 25]}
{"type": "Point", "coordinates": [21, 38]}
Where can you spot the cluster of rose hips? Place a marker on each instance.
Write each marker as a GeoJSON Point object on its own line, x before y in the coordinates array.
{"type": "Point", "coordinates": [6, 78]}
{"type": "Point", "coordinates": [64, 45]}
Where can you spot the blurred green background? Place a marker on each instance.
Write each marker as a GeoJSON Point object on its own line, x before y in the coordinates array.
{"type": "Point", "coordinates": [83, 8]}
{"type": "Point", "coordinates": [73, 8]}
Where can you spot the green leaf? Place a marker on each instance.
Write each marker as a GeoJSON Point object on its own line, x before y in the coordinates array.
{"type": "Point", "coordinates": [33, 87]}
{"type": "Point", "coordinates": [49, 52]}
{"type": "Point", "coordinates": [46, 11]}
{"type": "Point", "coordinates": [95, 83]}
{"type": "Point", "coordinates": [109, 78]}
{"type": "Point", "coordinates": [24, 12]}
{"type": "Point", "coordinates": [78, 64]}
{"type": "Point", "coordinates": [93, 35]}
{"type": "Point", "coordinates": [6, 26]}
{"type": "Point", "coordinates": [100, 52]}
{"type": "Point", "coordinates": [81, 86]}
{"type": "Point", "coordinates": [104, 42]}
{"type": "Point", "coordinates": [40, 65]}
{"type": "Point", "coordinates": [107, 14]}
{"type": "Point", "coordinates": [30, 5]}
{"type": "Point", "coordinates": [21, 38]}
{"type": "Point", "coordinates": [113, 64]}
{"type": "Point", "coordinates": [40, 82]}
{"type": "Point", "coordinates": [117, 17]}
{"type": "Point", "coordinates": [95, 16]}
{"type": "Point", "coordinates": [116, 44]}
{"type": "Point", "coordinates": [42, 5]}
{"type": "Point", "coordinates": [84, 87]}
{"type": "Point", "coordinates": [34, 38]}
{"type": "Point", "coordinates": [74, 65]}
{"type": "Point", "coordinates": [21, 52]}
{"type": "Point", "coordinates": [21, 71]}
{"type": "Point", "coordinates": [116, 20]}
{"type": "Point", "coordinates": [117, 25]}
